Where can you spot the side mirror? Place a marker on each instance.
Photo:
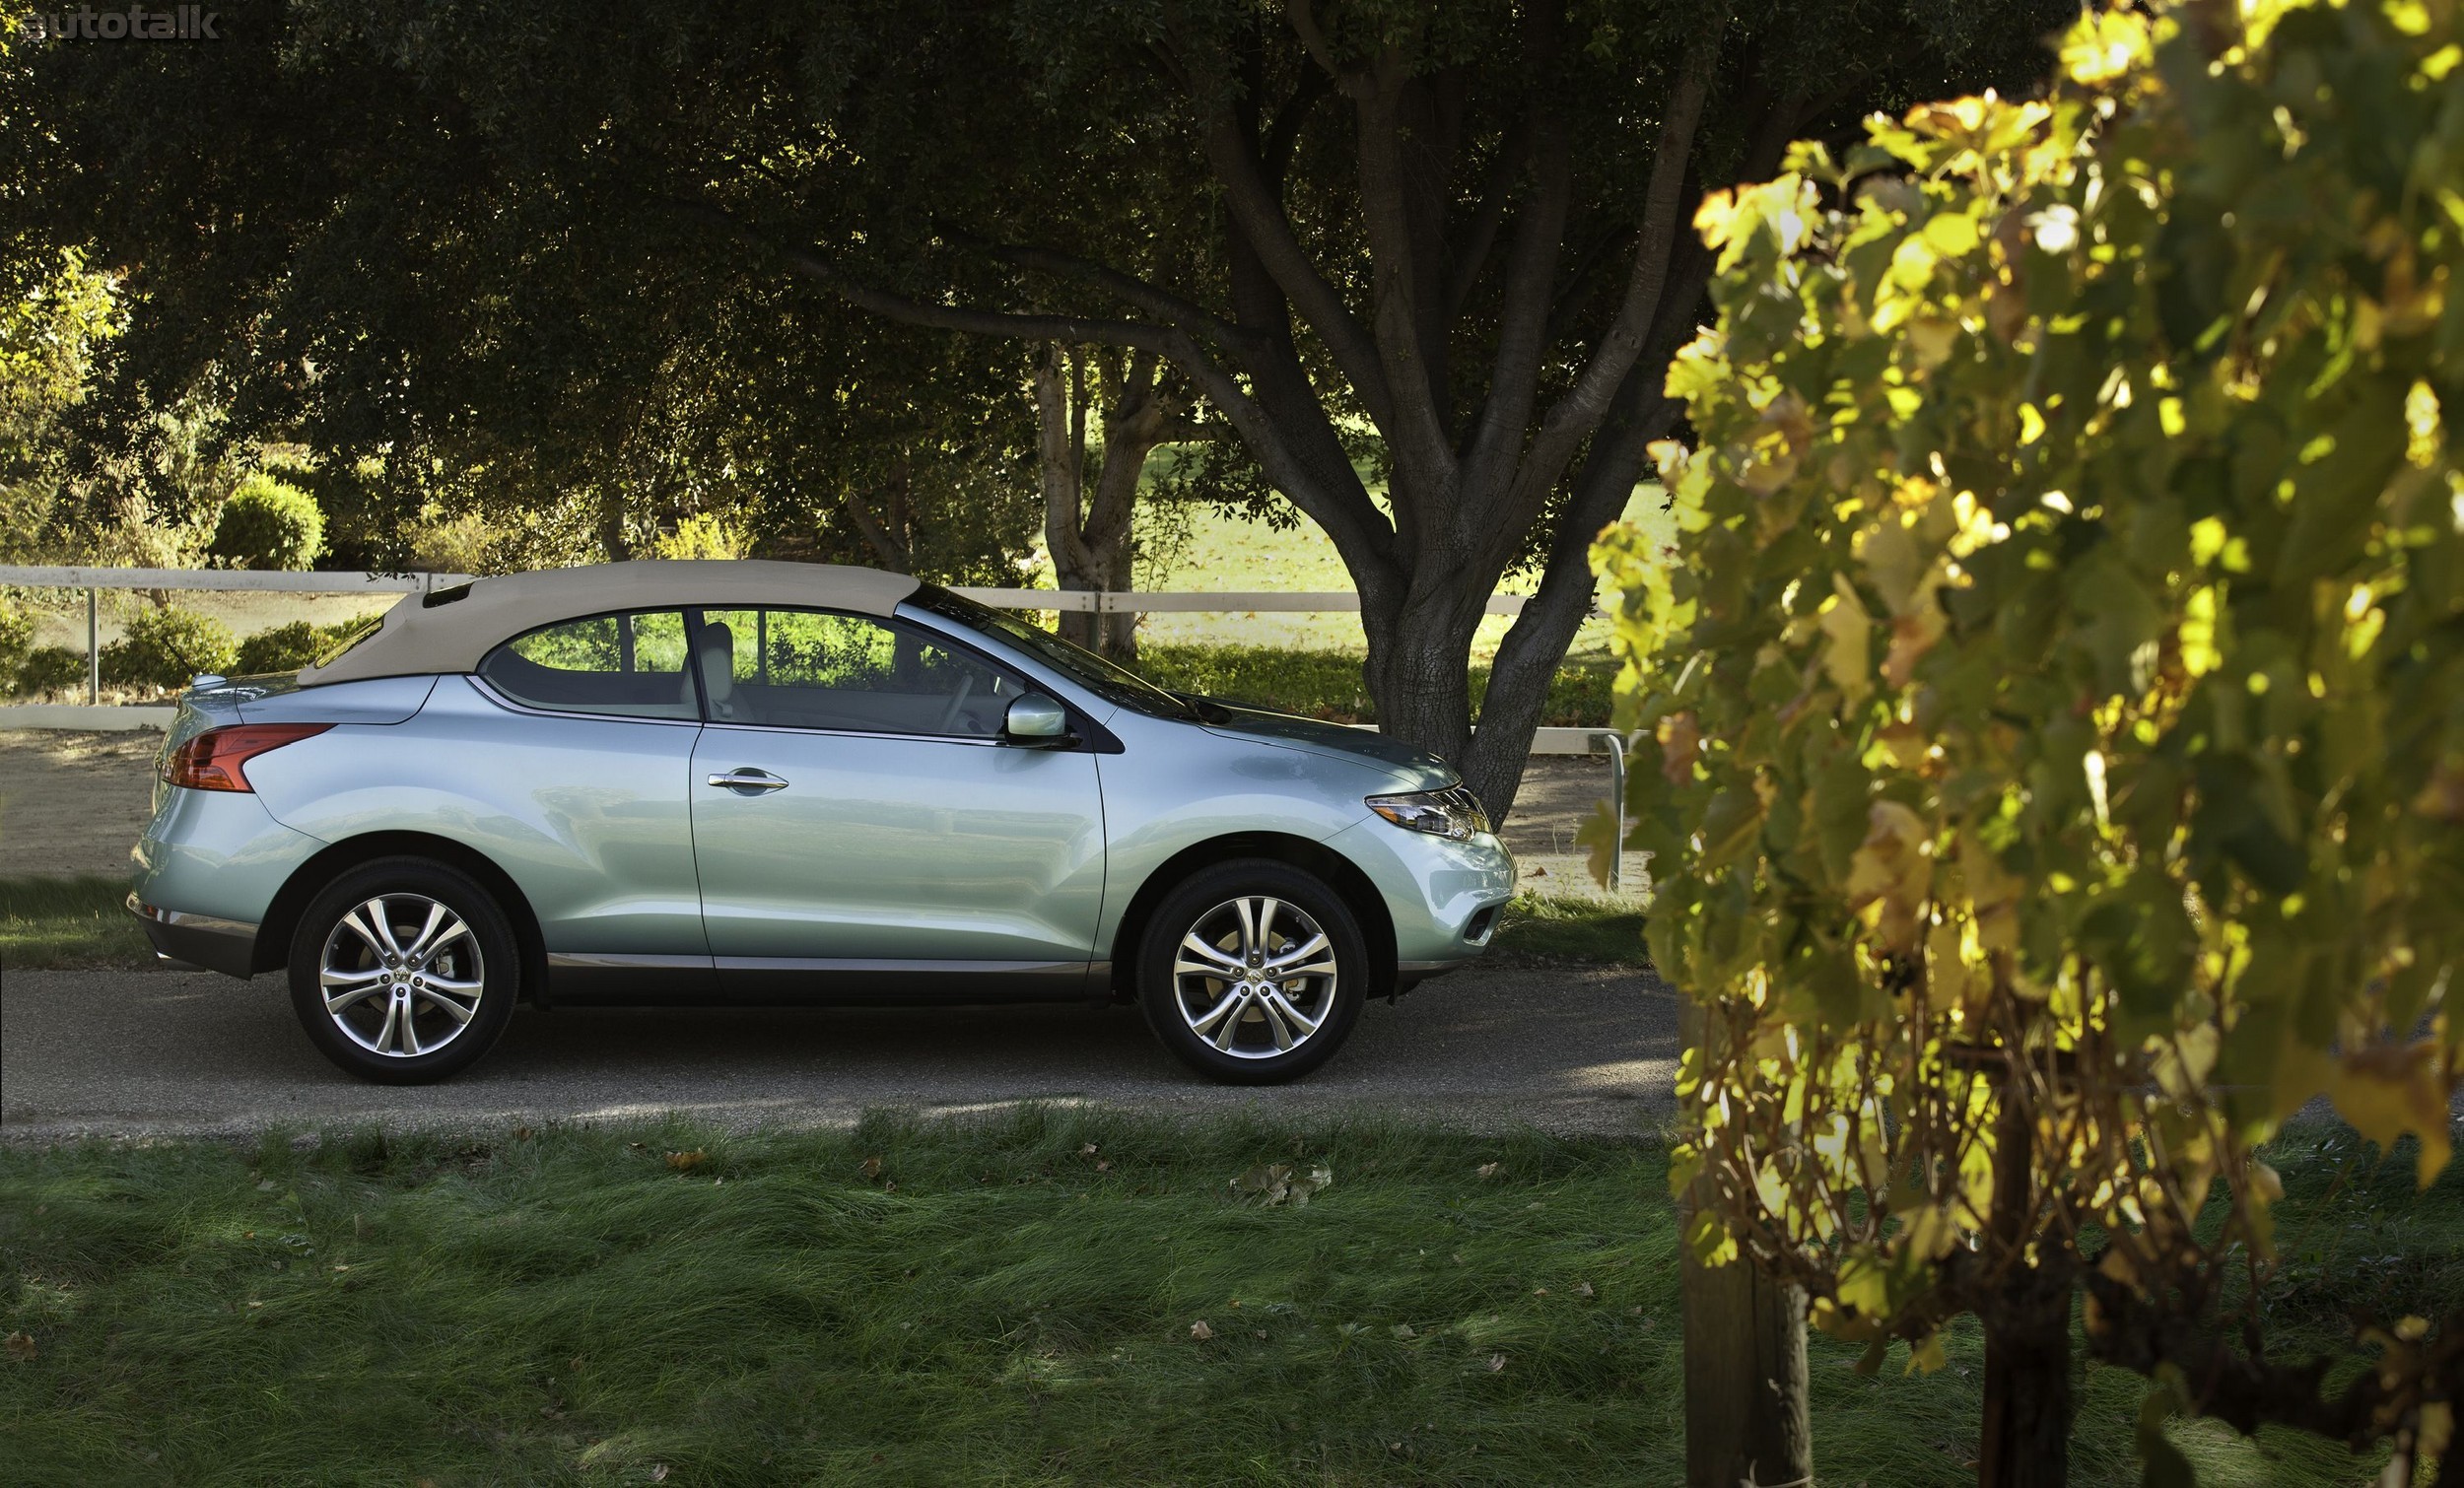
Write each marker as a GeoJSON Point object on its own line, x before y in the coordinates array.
{"type": "Point", "coordinates": [1034, 720]}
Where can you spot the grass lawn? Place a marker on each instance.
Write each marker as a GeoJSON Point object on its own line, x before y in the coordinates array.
{"type": "Point", "coordinates": [68, 921]}
{"type": "Point", "coordinates": [1573, 928]}
{"type": "Point", "coordinates": [1016, 1301]}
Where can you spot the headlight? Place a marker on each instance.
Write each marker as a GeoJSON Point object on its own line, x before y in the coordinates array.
{"type": "Point", "coordinates": [1454, 812]}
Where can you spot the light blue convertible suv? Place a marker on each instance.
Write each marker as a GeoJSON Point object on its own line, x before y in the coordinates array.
{"type": "Point", "coordinates": [753, 782]}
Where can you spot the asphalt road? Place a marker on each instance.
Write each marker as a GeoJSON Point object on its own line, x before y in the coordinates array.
{"type": "Point", "coordinates": [156, 1052]}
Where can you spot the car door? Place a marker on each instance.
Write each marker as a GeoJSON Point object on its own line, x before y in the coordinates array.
{"type": "Point", "coordinates": [861, 828]}
{"type": "Point", "coordinates": [570, 763]}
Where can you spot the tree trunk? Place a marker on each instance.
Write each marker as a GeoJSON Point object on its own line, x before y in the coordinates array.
{"type": "Point", "coordinates": [2027, 1332]}
{"type": "Point", "coordinates": [1415, 671]}
{"type": "Point", "coordinates": [612, 525]}
{"type": "Point", "coordinates": [1745, 1412]}
{"type": "Point", "coordinates": [1089, 538]}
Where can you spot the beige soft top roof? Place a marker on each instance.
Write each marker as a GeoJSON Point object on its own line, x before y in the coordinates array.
{"type": "Point", "coordinates": [422, 636]}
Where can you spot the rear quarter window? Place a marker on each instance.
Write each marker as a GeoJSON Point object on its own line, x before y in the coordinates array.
{"type": "Point", "coordinates": [628, 666]}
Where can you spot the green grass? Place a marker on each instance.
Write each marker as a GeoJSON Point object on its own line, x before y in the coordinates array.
{"type": "Point", "coordinates": [1325, 683]}
{"type": "Point", "coordinates": [1004, 1301]}
{"type": "Point", "coordinates": [1572, 927]}
{"type": "Point", "coordinates": [1231, 554]}
{"type": "Point", "coordinates": [68, 921]}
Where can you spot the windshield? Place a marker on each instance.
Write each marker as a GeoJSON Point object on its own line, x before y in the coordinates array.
{"type": "Point", "coordinates": [1105, 679]}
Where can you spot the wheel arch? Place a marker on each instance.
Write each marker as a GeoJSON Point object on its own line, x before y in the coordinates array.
{"type": "Point", "coordinates": [1340, 874]}
{"type": "Point", "coordinates": [282, 917]}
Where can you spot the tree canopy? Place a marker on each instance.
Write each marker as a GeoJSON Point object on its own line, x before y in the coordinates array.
{"type": "Point", "coordinates": [2053, 715]}
{"type": "Point", "coordinates": [1447, 242]}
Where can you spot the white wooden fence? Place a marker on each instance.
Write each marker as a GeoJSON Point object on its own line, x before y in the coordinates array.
{"type": "Point", "coordinates": [93, 714]}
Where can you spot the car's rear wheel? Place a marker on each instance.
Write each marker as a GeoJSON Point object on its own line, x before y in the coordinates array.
{"type": "Point", "coordinates": [1252, 971]}
{"type": "Point", "coordinates": [405, 970]}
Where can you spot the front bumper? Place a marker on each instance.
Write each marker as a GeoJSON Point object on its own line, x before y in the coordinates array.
{"type": "Point", "coordinates": [203, 942]}
{"type": "Point", "coordinates": [1443, 896]}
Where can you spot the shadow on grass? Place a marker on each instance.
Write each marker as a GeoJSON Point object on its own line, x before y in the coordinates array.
{"type": "Point", "coordinates": [69, 922]}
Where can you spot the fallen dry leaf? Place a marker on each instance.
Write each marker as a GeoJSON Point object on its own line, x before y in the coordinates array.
{"type": "Point", "coordinates": [1105, 1166]}
{"type": "Point", "coordinates": [1200, 1331]}
{"type": "Point", "coordinates": [1087, 1151]}
{"type": "Point", "coordinates": [1584, 1289]}
{"type": "Point", "coordinates": [20, 1348]}
{"type": "Point", "coordinates": [872, 1167]}
{"type": "Point", "coordinates": [1490, 1170]}
{"type": "Point", "coordinates": [1277, 1183]}
{"type": "Point", "coordinates": [1403, 1331]}
{"type": "Point", "coordinates": [684, 1161]}
{"type": "Point", "coordinates": [1496, 1364]}
{"type": "Point", "coordinates": [1540, 1291]}
{"type": "Point", "coordinates": [524, 1133]}
{"type": "Point", "coordinates": [658, 1473]}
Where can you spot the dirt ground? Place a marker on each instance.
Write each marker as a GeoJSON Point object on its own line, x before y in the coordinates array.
{"type": "Point", "coordinates": [74, 803]}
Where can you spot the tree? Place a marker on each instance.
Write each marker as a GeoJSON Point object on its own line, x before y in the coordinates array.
{"type": "Point", "coordinates": [340, 258]}
{"type": "Point", "coordinates": [1455, 231]}
{"type": "Point", "coordinates": [54, 313]}
{"type": "Point", "coordinates": [1458, 229]}
{"type": "Point", "coordinates": [1086, 525]}
{"type": "Point", "coordinates": [2049, 745]}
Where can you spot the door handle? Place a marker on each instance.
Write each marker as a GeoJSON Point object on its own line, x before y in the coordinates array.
{"type": "Point", "coordinates": [747, 780]}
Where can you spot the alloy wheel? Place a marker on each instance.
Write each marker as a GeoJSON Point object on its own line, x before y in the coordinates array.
{"type": "Point", "coordinates": [401, 976]}
{"type": "Point", "coordinates": [1255, 976]}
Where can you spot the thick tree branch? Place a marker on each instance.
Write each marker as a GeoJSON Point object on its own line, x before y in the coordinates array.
{"type": "Point", "coordinates": [1468, 252]}
{"type": "Point", "coordinates": [1258, 209]}
{"type": "Point", "coordinates": [1413, 423]}
{"type": "Point", "coordinates": [1129, 289]}
{"type": "Point", "coordinates": [811, 264]}
{"type": "Point", "coordinates": [1574, 415]}
{"type": "Point", "coordinates": [1522, 319]}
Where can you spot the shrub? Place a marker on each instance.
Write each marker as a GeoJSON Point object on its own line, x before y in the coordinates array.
{"type": "Point", "coordinates": [165, 648]}
{"type": "Point", "coordinates": [2053, 712]}
{"type": "Point", "coordinates": [269, 524]}
{"type": "Point", "coordinates": [283, 648]}
{"type": "Point", "coordinates": [705, 535]}
{"type": "Point", "coordinates": [289, 648]}
{"type": "Point", "coordinates": [17, 637]}
{"type": "Point", "coordinates": [48, 669]}
{"type": "Point", "coordinates": [1327, 683]}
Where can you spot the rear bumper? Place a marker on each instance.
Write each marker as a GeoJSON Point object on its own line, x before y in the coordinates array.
{"type": "Point", "coordinates": [202, 941]}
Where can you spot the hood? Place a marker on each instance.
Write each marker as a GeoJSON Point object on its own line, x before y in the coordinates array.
{"type": "Point", "coordinates": [1418, 768]}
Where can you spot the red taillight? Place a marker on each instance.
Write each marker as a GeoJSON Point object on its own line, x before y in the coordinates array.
{"type": "Point", "coordinates": [211, 761]}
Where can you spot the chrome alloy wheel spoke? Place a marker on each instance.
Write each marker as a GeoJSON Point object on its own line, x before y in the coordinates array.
{"type": "Point", "coordinates": [434, 996]}
{"type": "Point", "coordinates": [1233, 1000]}
{"type": "Point", "coordinates": [356, 986]}
{"type": "Point", "coordinates": [443, 928]}
{"type": "Point", "coordinates": [1313, 958]}
{"type": "Point", "coordinates": [1279, 1007]}
{"type": "Point", "coordinates": [1198, 958]}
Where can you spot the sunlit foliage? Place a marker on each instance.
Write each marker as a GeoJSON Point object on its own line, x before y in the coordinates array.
{"type": "Point", "coordinates": [2052, 711]}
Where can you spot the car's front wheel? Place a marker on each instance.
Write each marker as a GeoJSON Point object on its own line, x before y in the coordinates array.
{"type": "Point", "coordinates": [1253, 971]}
{"type": "Point", "coordinates": [405, 970]}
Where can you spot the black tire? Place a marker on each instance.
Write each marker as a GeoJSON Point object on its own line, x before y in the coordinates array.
{"type": "Point", "coordinates": [485, 955]}
{"type": "Point", "coordinates": [1208, 905]}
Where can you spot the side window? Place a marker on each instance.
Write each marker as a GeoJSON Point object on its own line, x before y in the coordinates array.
{"type": "Point", "coordinates": [811, 669]}
{"type": "Point", "coordinates": [629, 665]}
